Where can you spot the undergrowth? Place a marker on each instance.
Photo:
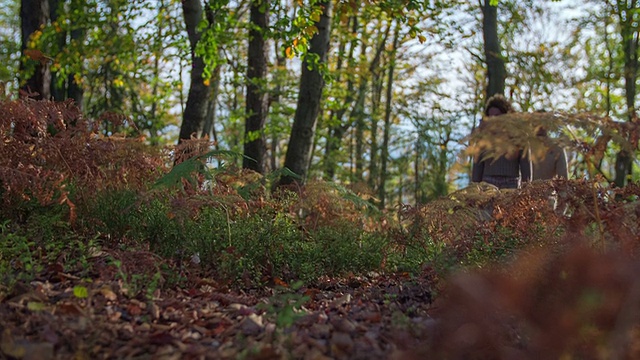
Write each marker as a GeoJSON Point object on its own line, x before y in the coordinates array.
{"type": "Point", "coordinates": [68, 192]}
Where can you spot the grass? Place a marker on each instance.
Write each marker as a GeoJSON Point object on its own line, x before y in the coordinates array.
{"type": "Point", "coordinates": [242, 245]}
{"type": "Point", "coordinates": [236, 245]}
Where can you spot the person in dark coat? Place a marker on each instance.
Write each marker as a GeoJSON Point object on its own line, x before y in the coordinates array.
{"type": "Point", "coordinates": [508, 171]}
{"type": "Point", "coordinates": [553, 164]}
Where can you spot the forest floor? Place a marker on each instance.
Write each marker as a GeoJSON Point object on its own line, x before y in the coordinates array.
{"type": "Point", "coordinates": [64, 316]}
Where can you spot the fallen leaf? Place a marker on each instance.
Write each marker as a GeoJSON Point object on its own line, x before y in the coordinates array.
{"type": "Point", "coordinates": [343, 300]}
{"type": "Point", "coordinates": [35, 306]}
{"type": "Point", "coordinates": [251, 325]}
{"type": "Point", "coordinates": [68, 308]}
{"type": "Point", "coordinates": [134, 309]}
{"type": "Point", "coordinates": [155, 311]}
{"type": "Point", "coordinates": [108, 293]}
{"type": "Point", "coordinates": [80, 292]}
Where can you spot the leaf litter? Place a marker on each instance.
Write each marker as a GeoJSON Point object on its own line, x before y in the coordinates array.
{"type": "Point", "coordinates": [350, 318]}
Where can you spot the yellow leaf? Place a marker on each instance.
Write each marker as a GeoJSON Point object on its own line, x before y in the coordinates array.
{"type": "Point", "coordinates": [108, 293]}
{"type": "Point", "coordinates": [35, 306]}
{"type": "Point", "coordinates": [289, 52]}
{"type": "Point", "coordinates": [206, 82]}
{"type": "Point", "coordinates": [422, 39]}
{"type": "Point", "coordinates": [80, 292]}
{"type": "Point", "coordinates": [311, 30]}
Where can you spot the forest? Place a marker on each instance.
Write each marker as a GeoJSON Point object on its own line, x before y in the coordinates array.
{"type": "Point", "coordinates": [292, 179]}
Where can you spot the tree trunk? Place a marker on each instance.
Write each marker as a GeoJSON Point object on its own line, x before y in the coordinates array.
{"type": "Point", "coordinates": [257, 98]}
{"type": "Point", "coordinates": [74, 90]}
{"type": "Point", "coordinates": [630, 38]}
{"type": "Point", "coordinates": [387, 118]}
{"type": "Point", "coordinates": [359, 155]}
{"type": "Point", "coordinates": [496, 71]}
{"type": "Point", "coordinates": [274, 98]}
{"type": "Point", "coordinates": [416, 169]}
{"type": "Point", "coordinates": [337, 130]}
{"type": "Point", "coordinates": [308, 106]}
{"type": "Point", "coordinates": [58, 88]}
{"type": "Point", "coordinates": [77, 35]}
{"type": "Point", "coordinates": [208, 128]}
{"type": "Point", "coordinates": [33, 15]}
{"type": "Point", "coordinates": [199, 93]}
{"type": "Point", "coordinates": [357, 115]}
{"type": "Point", "coordinates": [376, 100]}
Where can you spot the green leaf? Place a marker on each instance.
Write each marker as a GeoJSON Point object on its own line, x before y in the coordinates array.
{"type": "Point", "coordinates": [80, 292]}
{"type": "Point", "coordinates": [35, 306]}
{"type": "Point", "coordinates": [194, 165]}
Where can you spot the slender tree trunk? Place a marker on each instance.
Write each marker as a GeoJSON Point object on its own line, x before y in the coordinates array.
{"type": "Point", "coordinates": [610, 59]}
{"type": "Point", "coordinates": [387, 118]}
{"type": "Point", "coordinates": [357, 115]}
{"type": "Point", "coordinates": [496, 71]}
{"type": "Point", "coordinates": [416, 170]}
{"type": "Point", "coordinates": [308, 106]}
{"type": "Point", "coordinates": [209, 129]}
{"type": "Point", "coordinates": [74, 90]}
{"type": "Point", "coordinates": [376, 100]}
{"type": "Point", "coordinates": [338, 128]}
{"type": "Point", "coordinates": [77, 35]}
{"type": "Point", "coordinates": [630, 38]}
{"type": "Point", "coordinates": [257, 98]}
{"type": "Point", "coordinates": [58, 88]}
{"type": "Point", "coordinates": [199, 93]}
{"type": "Point", "coordinates": [360, 127]}
{"type": "Point", "coordinates": [274, 98]}
{"type": "Point", "coordinates": [33, 15]}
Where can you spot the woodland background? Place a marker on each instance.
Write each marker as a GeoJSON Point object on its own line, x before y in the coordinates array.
{"type": "Point", "coordinates": [391, 94]}
{"type": "Point", "coordinates": [288, 180]}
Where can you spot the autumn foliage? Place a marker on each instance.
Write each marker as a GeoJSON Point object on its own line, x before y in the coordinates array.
{"type": "Point", "coordinates": [546, 271]}
{"type": "Point", "coordinates": [49, 147]}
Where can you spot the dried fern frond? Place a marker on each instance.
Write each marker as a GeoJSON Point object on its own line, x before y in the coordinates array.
{"type": "Point", "coordinates": [508, 133]}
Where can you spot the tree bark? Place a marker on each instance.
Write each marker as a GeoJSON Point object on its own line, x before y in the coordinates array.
{"type": "Point", "coordinates": [199, 93]}
{"type": "Point", "coordinates": [376, 100]}
{"type": "Point", "coordinates": [209, 128]}
{"type": "Point", "coordinates": [274, 98]}
{"type": "Point", "coordinates": [257, 99]}
{"type": "Point", "coordinates": [357, 114]}
{"type": "Point", "coordinates": [630, 38]}
{"type": "Point", "coordinates": [74, 90]}
{"type": "Point", "coordinates": [387, 118]}
{"type": "Point", "coordinates": [339, 128]}
{"type": "Point", "coordinates": [308, 105]}
{"type": "Point", "coordinates": [496, 71]}
{"type": "Point", "coordinates": [58, 88]}
{"type": "Point", "coordinates": [33, 15]}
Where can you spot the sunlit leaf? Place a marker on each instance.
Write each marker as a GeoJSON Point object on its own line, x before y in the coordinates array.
{"type": "Point", "coordinates": [80, 292]}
